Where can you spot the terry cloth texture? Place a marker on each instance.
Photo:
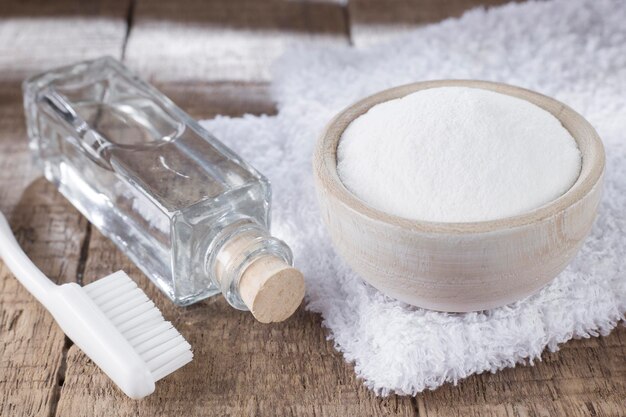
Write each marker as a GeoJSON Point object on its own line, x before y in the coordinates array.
{"type": "Point", "coordinates": [573, 50]}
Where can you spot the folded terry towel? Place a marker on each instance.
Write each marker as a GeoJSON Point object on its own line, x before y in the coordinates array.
{"type": "Point", "coordinates": [573, 50]}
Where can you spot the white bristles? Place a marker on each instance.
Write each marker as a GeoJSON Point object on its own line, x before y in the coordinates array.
{"type": "Point", "coordinates": [109, 281]}
{"type": "Point", "coordinates": [139, 321]}
{"type": "Point", "coordinates": [108, 293]}
{"type": "Point", "coordinates": [166, 370]}
{"type": "Point", "coordinates": [142, 335]}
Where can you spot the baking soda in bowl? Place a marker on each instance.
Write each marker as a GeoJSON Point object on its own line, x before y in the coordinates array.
{"type": "Point", "coordinates": [457, 154]}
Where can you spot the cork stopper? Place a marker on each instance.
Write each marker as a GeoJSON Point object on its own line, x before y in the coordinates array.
{"type": "Point", "coordinates": [271, 289]}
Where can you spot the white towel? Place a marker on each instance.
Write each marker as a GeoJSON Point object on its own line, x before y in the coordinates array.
{"type": "Point", "coordinates": [573, 50]}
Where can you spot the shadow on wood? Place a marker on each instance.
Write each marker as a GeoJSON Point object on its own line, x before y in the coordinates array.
{"type": "Point", "coordinates": [50, 230]}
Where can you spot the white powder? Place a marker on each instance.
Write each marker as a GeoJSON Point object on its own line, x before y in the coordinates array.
{"type": "Point", "coordinates": [457, 154]}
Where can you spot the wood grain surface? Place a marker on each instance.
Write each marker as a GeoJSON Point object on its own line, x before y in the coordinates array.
{"type": "Point", "coordinates": [241, 367]}
{"type": "Point", "coordinates": [40, 34]}
{"type": "Point", "coordinates": [225, 40]}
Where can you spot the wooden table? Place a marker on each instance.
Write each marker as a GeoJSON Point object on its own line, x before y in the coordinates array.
{"type": "Point", "coordinates": [241, 367]}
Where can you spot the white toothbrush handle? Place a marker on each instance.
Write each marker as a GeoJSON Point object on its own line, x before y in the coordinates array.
{"type": "Point", "coordinates": [22, 267]}
{"type": "Point", "coordinates": [121, 347]}
{"type": "Point", "coordinates": [80, 319]}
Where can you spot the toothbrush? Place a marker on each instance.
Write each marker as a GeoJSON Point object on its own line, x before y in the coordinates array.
{"type": "Point", "coordinates": [111, 320]}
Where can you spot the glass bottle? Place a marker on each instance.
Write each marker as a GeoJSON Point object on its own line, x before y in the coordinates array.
{"type": "Point", "coordinates": [188, 211]}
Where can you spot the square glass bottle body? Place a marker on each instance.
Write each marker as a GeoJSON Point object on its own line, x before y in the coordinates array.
{"type": "Point", "coordinates": [142, 171]}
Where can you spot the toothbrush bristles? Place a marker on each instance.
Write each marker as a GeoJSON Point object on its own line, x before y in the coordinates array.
{"type": "Point", "coordinates": [157, 342]}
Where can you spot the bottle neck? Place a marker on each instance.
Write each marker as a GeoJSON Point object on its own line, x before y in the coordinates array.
{"type": "Point", "coordinates": [240, 255]}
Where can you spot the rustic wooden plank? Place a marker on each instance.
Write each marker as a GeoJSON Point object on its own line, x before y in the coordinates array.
{"type": "Point", "coordinates": [17, 171]}
{"type": "Point", "coordinates": [37, 35]}
{"type": "Point", "coordinates": [585, 378]}
{"type": "Point", "coordinates": [240, 367]}
{"type": "Point", "coordinates": [225, 40]}
{"type": "Point", "coordinates": [373, 21]}
{"type": "Point", "coordinates": [51, 233]}
{"type": "Point", "coordinates": [207, 100]}
{"type": "Point", "coordinates": [59, 8]}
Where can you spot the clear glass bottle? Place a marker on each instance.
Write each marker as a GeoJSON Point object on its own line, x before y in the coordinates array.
{"type": "Point", "coordinates": [187, 210]}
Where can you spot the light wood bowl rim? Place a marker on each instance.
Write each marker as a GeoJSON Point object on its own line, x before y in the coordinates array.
{"type": "Point", "coordinates": [590, 144]}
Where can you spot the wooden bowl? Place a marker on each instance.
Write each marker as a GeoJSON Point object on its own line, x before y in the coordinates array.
{"type": "Point", "coordinates": [459, 266]}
